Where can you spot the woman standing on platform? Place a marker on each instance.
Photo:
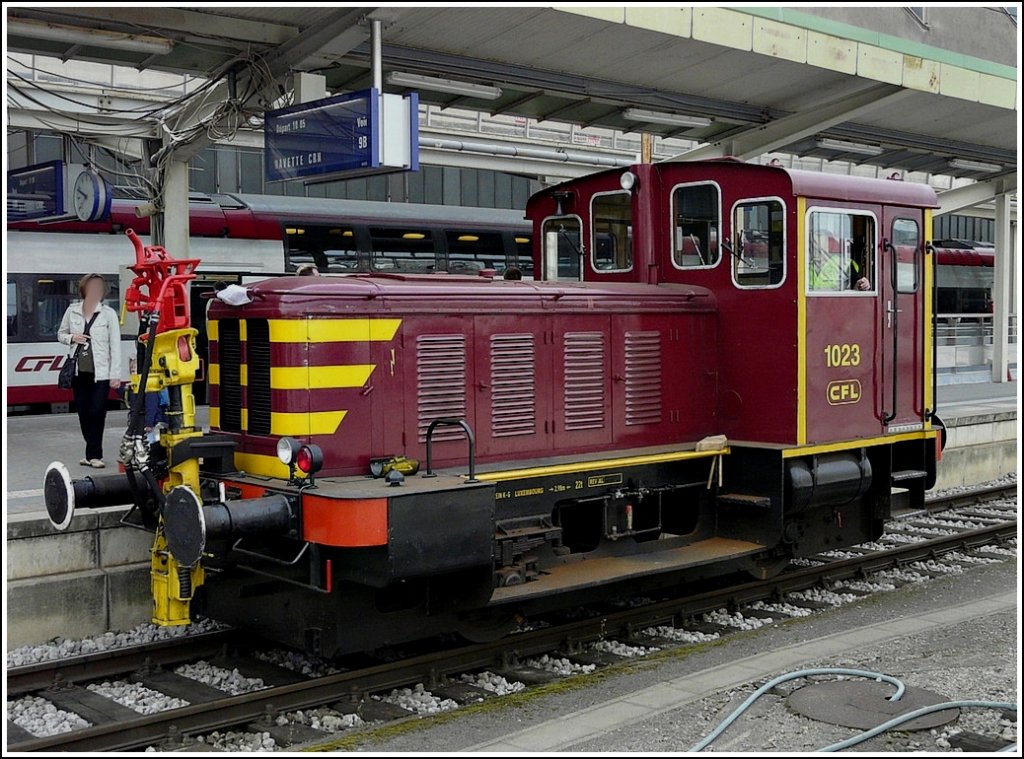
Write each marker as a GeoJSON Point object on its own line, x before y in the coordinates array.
{"type": "Point", "coordinates": [93, 329]}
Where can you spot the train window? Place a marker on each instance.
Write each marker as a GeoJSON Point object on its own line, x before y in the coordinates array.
{"type": "Point", "coordinates": [759, 244]}
{"type": "Point", "coordinates": [906, 242]}
{"type": "Point", "coordinates": [841, 253]}
{"type": "Point", "coordinates": [54, 295]}
{"type": "Point", "coordinates": [330, 249]}
{"type": "Point", "coordinates": [563, 247]}
{"type": "Point", "coordinates": [611, 218]}
{"type": "Point", "coordinates": [696, 226]}
{"type": "Point", "coordinates": [399, 249]}
{"type": "Point", "coordinates": [12, 309]}
{"type": "Point", "coordinates": [471, 251]}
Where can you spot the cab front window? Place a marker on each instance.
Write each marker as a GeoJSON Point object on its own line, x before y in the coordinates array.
{"type": "Point", "coordinates": [841, 253]}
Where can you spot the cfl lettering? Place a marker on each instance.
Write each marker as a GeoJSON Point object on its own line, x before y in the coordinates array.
{"type": "Point", "coordinates": [843, 392]}
{"type": "Point", "coordinates": [39, 364]}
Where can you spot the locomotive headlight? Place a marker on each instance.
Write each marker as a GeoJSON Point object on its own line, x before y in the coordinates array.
{"type": "Point", "coordinates": [627, 181]}
{"type": "Point", "coordinates": [287, 450]}
{"type": "Point", "coordinates": [310, 459]}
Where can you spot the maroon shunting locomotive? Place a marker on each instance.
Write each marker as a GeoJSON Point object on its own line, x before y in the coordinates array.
{"type": "Point", "coordinates": [721, 367]}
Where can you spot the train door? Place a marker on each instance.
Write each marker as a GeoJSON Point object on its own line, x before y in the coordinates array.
{"type": "Point", "coordinates": [582, 362]}
{"type": "Point", "coordinates": [513, 368]}
{"type": "Point", "coordinates": [901, 279]}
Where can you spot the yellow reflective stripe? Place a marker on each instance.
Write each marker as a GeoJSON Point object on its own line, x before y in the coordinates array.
{"type": "Point", "coordinates": [214, 416]}
{"type": "Point", "coordinates": [848, 445]}
{"type": "Point", "coordinates": [332, 330]}
{"type": "Point", "coordinates": [213, 329]}
{"type": "Point", "coordinates": [261, 464]}
{"type": "Point", "coordinates": [213, 374]}
{"type": "Point", "coordinates": [243, 330]}
{"type": "Point", "coordinates": [243, 373]}
{"type": "Point", "coordinates": [593, 466]}
{"type": "Point", "coordinates": [304, 424]}
{"type": "Point", "coordinates": [319, 377]}
{"type": "Point", "coordinates": [801, 322]}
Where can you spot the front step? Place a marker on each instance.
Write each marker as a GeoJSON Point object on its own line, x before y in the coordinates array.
{"type": "Point", "coordinates": [908, 474]}
{"type": "Point", "coordinates": [742, 499]}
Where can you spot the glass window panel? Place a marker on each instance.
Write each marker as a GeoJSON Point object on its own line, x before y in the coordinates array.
{"type": "Point", "coordinates": [562, 248]}
{"type": "Point", "coordinates": [906, 241]}
{"type": "Point", "coordinates": [402, 249]}
{"type": "Point", "coordinates": [611, 217]}
{"type": "Point", "coordinates": [840, 256]}
{"type": "Point", "coordinates": [696, 226]}
{"type": "Point", "coordinates": [759, 255]}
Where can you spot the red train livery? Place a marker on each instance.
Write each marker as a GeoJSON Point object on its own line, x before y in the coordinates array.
{"type": "Point", "coordinates": [721, 367]}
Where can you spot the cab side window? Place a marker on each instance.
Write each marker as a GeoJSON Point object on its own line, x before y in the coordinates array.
{"type": "Point", "coordinates": [696, 226]}
{"type": "Point", "coordinates": [841, 253]}
{"type": "Point", "coordinates": [758, 244]}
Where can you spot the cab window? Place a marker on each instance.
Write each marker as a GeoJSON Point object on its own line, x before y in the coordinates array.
{"type": "Point", "coordinates": [906, 242]}
{"type": "Point", "coordinates": [696, 226]}
{"type": "Point", "coordinates": [611, 216]}
{"type": "Point", "coordinates": [562, 247]}
{"type": "Point", "coordinates": [758, 244]}
{"type": "Point", "coordinates": [841, 253]}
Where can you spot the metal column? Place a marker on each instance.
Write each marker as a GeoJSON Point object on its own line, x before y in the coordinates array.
{"type": "Point", "coordinates": [1002, 290]}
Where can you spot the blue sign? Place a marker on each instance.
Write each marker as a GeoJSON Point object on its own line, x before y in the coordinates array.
{"type": "Point", "coordinates": [340, 136]}
{"type": "Point", "coordinates": [35, 192]}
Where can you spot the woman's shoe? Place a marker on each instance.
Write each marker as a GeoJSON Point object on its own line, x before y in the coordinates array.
{"type": "Point", "coordinates": [97, 464]}
{"type": "Point", "coordinates": [85, 462]}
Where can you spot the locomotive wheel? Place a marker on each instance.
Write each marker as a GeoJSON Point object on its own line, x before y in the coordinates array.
{"type": "Point", "coordinates": [486, 627]}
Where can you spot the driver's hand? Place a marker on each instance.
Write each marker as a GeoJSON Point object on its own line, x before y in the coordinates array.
{"type": "Point", "coordinates": [863, 284]}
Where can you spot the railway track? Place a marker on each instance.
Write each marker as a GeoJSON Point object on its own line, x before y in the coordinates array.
{"type": "Point", "coordinates": [348, 691]}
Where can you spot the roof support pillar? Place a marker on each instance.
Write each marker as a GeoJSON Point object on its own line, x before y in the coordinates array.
{"type": "Point", "coordinates": [175, 209]}
{"type": "Point", "coordinates": [1007, 261]}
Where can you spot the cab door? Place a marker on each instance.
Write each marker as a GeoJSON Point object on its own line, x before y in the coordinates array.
{"type": "Point", "coordinates": [902, 322]}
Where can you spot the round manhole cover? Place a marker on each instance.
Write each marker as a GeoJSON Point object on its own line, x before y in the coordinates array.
{"type": "Point", "coordinates": [865, 704]}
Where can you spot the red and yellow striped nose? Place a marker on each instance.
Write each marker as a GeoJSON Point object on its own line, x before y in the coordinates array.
{"type": "Point", "coordinates": [294, 377]}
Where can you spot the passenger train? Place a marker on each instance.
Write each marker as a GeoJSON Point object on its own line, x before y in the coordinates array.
{"type": "Point", "coordinates": [695, 383]}
{"type": "Point", "coordinates": [240, 238]}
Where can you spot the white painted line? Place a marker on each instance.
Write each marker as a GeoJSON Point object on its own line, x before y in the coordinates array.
{"type": "Point", "coordinates": [13, 494]}
{"type": "Point", "coordinates": [600, 719]}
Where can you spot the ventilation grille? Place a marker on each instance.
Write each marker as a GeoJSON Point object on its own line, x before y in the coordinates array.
{"type": "Point", "coordinates": [643, 377]}
{"type": "Point", "coordinates": [585, 376]}
{"type": "Point", "coordinates": [229, 347]}
{"type": "Point", "coordinates": [440, 383]}
{"type": "Point", "coordinates": [513, 386]}
{"type": "Point", "coordinates": [258, 358]}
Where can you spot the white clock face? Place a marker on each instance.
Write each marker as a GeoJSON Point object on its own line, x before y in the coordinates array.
{"type": "Point", "coordinates": [89, 200]}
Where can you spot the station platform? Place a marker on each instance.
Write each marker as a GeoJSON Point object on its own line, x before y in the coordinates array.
{"type": "Point", "coordinates": [95, 576]}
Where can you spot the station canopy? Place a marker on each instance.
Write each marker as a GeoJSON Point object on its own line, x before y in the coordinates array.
{"type": "Point", "coordinates": [714, 75]}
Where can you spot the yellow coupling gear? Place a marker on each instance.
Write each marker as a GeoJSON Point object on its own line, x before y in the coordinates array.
{"type": "Point", "coordinates": [172, 585]}
{"type": "Point", "coordinates": [407, 466]}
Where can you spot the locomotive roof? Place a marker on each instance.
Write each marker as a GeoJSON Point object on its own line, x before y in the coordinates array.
{"type": "Point", "coordinates": [394, 294]}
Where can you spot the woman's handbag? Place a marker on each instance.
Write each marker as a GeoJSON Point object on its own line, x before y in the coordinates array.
{"type": "Point", "coordinates": [67, 372]}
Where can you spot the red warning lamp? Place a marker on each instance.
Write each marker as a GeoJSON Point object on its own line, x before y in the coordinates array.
{"type": "Point", "coordinates": [310, 459]}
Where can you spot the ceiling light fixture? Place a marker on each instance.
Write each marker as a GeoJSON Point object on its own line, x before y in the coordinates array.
{"type": "Point", "coordinates": [77, 35]}
{"type": "Point", "coordinates": [437, 84]}
{"type": "Point", "coordinates": [964, 165]}
{"type": "Point", "coordinates": [850, 147]}
{"type": "Point", "coordinates": [659, 117]}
